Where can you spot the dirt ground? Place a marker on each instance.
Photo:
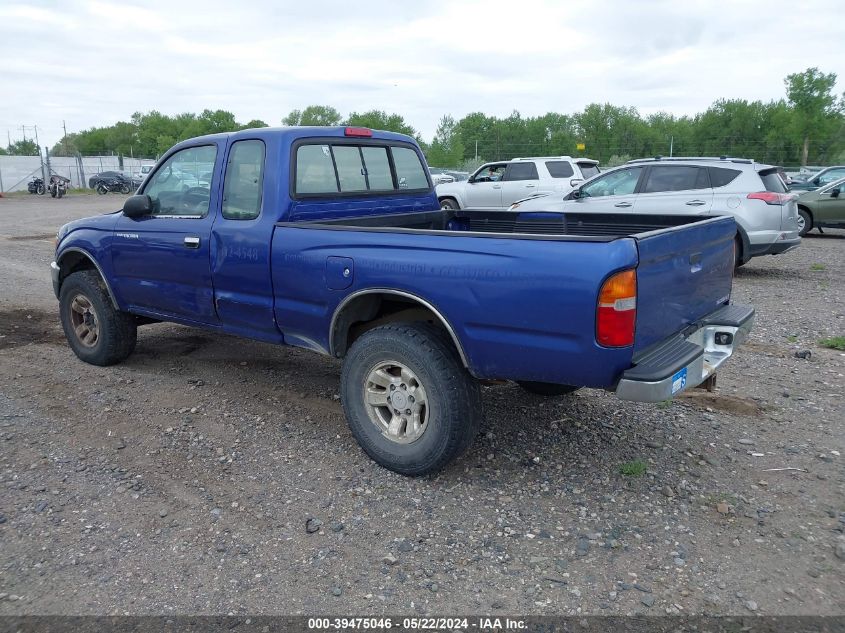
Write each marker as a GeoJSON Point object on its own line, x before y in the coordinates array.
{"type": "Point", "coordinates": [213, 475]}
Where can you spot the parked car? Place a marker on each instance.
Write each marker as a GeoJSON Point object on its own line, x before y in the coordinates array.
{"type": "Point", "coordinates": [753, 194]}
{"type": "Point", "coordinates": [142, 173]}
{"type": "Point", "coordinates": [500, 184]}
{"type": "Point", "coordinates": [440, 176]}
{"type": "Point", "coordinates": [109, 178]}
{"type": "Point", "coordinates": [344, 250]}
{"type": "Point", "coordinates": [822, 207]}
{"type": "Point", "coordinates": [822, 178]}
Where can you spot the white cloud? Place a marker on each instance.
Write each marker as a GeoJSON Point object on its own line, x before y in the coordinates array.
{"type": "Point", "coordinates": [92, 62]}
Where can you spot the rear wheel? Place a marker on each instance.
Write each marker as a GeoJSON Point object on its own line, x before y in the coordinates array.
{"type": "Point", "coordinates": [546, 388]}
{"type": "Point", "coordinates": [96, 331]}
{"type": "Point", "coordinates": [805, 222]}
{"type": "Point", "coordinates": [449, 204]}
{"type": "Point", "coordinates": [409, 401]}
{"type": "Point", "coordinates": [124, 189]}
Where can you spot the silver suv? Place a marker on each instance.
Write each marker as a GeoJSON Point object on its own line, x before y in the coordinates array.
{"type": "Point", "coordinates": [754, 194]}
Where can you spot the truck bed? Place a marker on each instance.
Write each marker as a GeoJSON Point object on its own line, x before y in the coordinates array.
{"type": "Point", "coordinates": [594, 227]}
{"type": "Point", "coordinates": [519, 289]}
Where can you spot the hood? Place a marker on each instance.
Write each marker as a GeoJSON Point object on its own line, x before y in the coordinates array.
{"type": "Point", "coordinates": [96, 222]}
{"type": "Point", "coordinates": [453, 188]}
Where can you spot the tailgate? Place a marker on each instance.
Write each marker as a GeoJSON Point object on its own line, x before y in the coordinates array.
{"type": "Point", "coordinates": [684, 273]}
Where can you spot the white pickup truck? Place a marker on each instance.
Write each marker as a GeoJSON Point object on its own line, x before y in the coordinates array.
{"type": "Point", "coordinates": [500, 184]}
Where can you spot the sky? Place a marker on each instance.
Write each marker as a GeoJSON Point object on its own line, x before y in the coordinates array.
{"type": "Point", "coordinates": [93, 63]}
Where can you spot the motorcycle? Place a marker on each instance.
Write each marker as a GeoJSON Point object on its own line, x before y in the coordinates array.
{"type": "Point", "coordinates": [36, 186]}
{"type": "Point", "coordinates": [115, 185]}
{"type": "Point", "coordinates": [58, 186]}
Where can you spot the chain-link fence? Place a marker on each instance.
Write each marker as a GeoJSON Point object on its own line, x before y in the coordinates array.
{"type": "Point", "coordinates": [17, 171]}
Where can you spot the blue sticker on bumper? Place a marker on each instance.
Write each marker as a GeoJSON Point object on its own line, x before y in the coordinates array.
{"type": "Point", "coordinates": [679, 381]}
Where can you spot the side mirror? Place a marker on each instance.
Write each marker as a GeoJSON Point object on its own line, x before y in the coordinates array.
{"type": "Point", "coordinates": [575, 194]}
{"type": "Point", "coordinates": [834, 193]}
{"type": "Point", "coordinates": [137, 206]}
{"type": "Point", "coordinates": [575, 182]}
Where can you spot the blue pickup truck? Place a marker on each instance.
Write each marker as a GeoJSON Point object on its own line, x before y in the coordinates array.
{"type": "Point", "coordinates": [332, 239]}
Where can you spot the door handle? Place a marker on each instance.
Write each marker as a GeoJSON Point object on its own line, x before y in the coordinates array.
{"type": "Point", "coordinates": [191, 241]}
{"type": "Point", "coordinates": [497, 186]}
{"type": "Point", "coordinates": [530, 186]}
{"type": "Point", "coordinates": [696, 203]}
{"type": "Point", "coordinates": [623, 205]}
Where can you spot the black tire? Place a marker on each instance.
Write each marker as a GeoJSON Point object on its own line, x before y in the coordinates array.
{"type": "Point", "coordinates": [124, 189]}
{"type": "Point", "coordinates": [449, 204]}
{"type": "Point", "coordinates": [40, 190]}
{"type": "Point", "coordinates": [116, 332]}
{"type": "Point", "coordinates": [546, 388]}
{"type": "Point", "coordinates": [452, 396]}
{"type": "Point", "coordinates": [53, 192]}
{"type": "Point", "coordinates": [808, 222]}
{"type": "Point", "coordinates": [738, 260]}
{"type": "Point", "coordinates": [102, 189]}
{"type": "Point", "coordinates": [61, 191]}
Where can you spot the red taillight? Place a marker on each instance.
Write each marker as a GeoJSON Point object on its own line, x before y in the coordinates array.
{"type": "Point", "coordinates": [358, 131]}
{"type": "Point", "coordinates": [616, 314]}
{"type": "Point", "coordinates": [770, 197]}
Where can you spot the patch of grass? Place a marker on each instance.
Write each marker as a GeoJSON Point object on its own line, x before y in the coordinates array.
{"type": "Point", "coordinates": [817, 266]}
{"type": "Point", "coordinates": [664, 404]}
{"type": "Point", "coordinates": [834, 342]}
{"type": "Point", "coordinates": [792, 338]}
{"type": "Point", "coordinates": [634, 468]}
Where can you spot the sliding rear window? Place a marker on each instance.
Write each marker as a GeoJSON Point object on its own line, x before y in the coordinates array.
{"type": "Point", "coordinates": [332, 168]}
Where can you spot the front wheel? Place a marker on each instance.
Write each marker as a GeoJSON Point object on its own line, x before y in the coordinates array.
{"type": "Point", "coordinates": [53, 191]}
{"type": "Point", "coordinates": [102, 189]}
{"type": "Point", "coordinates": [96, 331]}
{"type": "Point", "coordinates": [805, 222]}
{"type": "Point", "coordinates": [448, 204]}
{"type": "Point", "coordinates": [40, 190]}
{"type": "Point", "coordinates": [409, 401]}
{"type": "Point", "coordinates": [546, 388]}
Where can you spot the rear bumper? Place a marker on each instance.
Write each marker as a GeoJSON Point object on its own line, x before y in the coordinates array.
{"type": "Point", "coordinates": [687, 359]}
{"type": "Point", "coordinates": [775, 248]}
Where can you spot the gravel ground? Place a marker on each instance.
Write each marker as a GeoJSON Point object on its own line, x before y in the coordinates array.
{"type": "Point", "coordinates": [213, 475]}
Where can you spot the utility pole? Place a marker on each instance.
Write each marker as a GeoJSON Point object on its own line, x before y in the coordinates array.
{"type": "Point", "coordinates": [44, 175]}
{"type": "Point", "coordinates": [476, 149]}
{"type": "Point", "coordinates": [64, 138]}
{"type": "Point", "coordinates": [671, 144]}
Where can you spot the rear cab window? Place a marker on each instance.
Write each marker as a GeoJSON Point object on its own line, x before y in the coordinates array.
{"type": "Point", "coordinates": [334, 167]}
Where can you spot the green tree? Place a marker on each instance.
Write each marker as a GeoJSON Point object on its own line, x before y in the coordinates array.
{"type": "Point", "coordinates": [379, 120]}
{"type": "Point", "coordinates": [254, 123]}
{"type": "Point", "coordinates": [313, 115]}
{"type": "Point", "coordinates": [446, 149]}
{"type": "Point", "coordinates": [25, 147]}
{"type": "Point", "coordinates": [810, 93]}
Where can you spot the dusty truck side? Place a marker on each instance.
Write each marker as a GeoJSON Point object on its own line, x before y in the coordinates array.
{"type": "Point", "coordinates": [332, 239]}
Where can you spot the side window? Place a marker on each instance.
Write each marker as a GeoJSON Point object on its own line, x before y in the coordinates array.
{"type": "Point", "coordinates": [315, 170]}
{"type": "Point", "coordinates": [409, 170]}
{"type": "Point", "coordinates": [176, 188]}
{"type": "Point", "coordinates": [675, 178]}
{"type": "Point", "coordinates": [521, 171]}
{"type": "Point", "coordinates": [615, 183]}
{"type": "Point", "coordinates": [350, 169]}
{"type": "Point", "coordinates": [720, 176]}
{"type": "Point", "coordinates": [588, 170]}
{"type": "Point", "coordinates": [243, 185]}
{"type": "Point", "coordinates": [830, 176]}
{"type": "Point", "coordinates": [559, 169]}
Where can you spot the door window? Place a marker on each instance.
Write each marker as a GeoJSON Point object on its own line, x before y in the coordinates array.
{"type": "Point", "coordinates": [491, 173]}
{"type": "Point", "coordinates": [559, 169]}
{"type": "Point", "coordinates": [175, 189]}
{"type": "Point", "coordinates": [521, 171]}
{"type": "Point", "coordinates": [830, 176]}
{"type": "Point", "coordinates": [242, 187]}
{"type": "Point", "coordinates": [676, 178]}
{"type": "Point", "coordinates": [615, 183]}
